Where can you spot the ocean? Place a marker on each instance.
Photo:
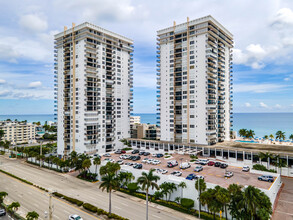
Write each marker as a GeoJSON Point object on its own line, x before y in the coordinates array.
{"type": "Point", "coordinates": [261, 123]}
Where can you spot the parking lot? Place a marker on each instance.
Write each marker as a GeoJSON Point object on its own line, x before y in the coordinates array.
{"type": "Point", "coordinates": [211, 174]}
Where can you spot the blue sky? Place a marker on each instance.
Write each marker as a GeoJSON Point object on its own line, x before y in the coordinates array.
{"type": "Point", "coordinates": [263, 36]}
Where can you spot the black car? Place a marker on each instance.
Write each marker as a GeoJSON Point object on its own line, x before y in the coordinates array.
{"type": "Point", "coordinates": [135, 152]}
{"type": "Point", "coordinates": [159, 155]}
{"type": "Point", "coordinates": [137, 166]}
{"type": "Point", "coordinates": [217, 164]}
{"type": "Point", "coordinates": [131, 157]}
{"type": "Point", "coordinates": [146, 153]}
{"type": "Point", "coordinates": [2, 212]}
{"type": "Point", "coordinates": [141, 153]}
{"type": "Point", "coordinates": [224, 165]}
{"type": "Point", "coordinates": [135, 158]}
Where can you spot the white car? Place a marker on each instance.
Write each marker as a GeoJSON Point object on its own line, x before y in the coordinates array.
{"type": "Point", "coordinates": [122, 156]}
{"type": "Point", "coordinates": [150, 161]}
{"type": "Point", "coordinates": [228, 174]}
{"type": "Point", "coordinates": [74, 217]}
{"type": "Point", "coordinates": [120, 162]}
{"type": "Point", "coordinates": [199, 177]}
{"type": "Point", "coordinates": [185, 165]}
{"type": "Point", "coordinates": [107, 155]}
{"type": "Point", "coordinates": [245, 169]}
{"type": "Point", "coordinates": [145, 160]}
{"type": "Point", "coordinates": [156, 162]}
{"type": "Point", "coordinates": [109, 160]}
{"type": "Point", "coordinates": [162, 171]}
{"type": "Point", "coordinates": [176, 173]}
{"type": "Point", "coordinates": [129, 164]}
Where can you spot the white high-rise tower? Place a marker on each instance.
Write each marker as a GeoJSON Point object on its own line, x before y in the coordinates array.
{"type": "Point", "coordinates": [93, 89]}
{"type": "Point", "coordinates": [194, 82]}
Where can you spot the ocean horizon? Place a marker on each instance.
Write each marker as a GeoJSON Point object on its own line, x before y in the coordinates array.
{"type": "Point", "coordinates": [261, 123]}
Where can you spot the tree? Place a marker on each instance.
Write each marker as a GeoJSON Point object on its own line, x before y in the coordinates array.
{"type": "Point", "coordinates": [86, 164]}
{"type": "Point", "coordinates": [266, 137]}
{"type": "Point", "coordinates": [97, 161]}
{"type": "Point", "coordinates": [271, 136]}
{"type": "Point", "coordinates": [267, 156]}
{"type": "Point", "coordinates": [182, 185]}
{"type": "Point", "coordinates": [14, 206]}
{"type": "Point", "coordinates": [56, 161]}
{"type": "Point", "coordinates": [223, 196]}
{"type": "Point", "coordinates": [200, 186]}
{"type": "Point", "coordinates": [1, 134]}
{"type": "Point", "coordinates": [109, 182]}
{"type": "Point", "coordinates": [32, 215]}
{"type": "Point", "coordinates": [125, 178]}
{"type": "Point", "coordinates": [291, 137]}
{"type": "Point", "coordinates": [168, 188]}
{"type": "Point", "coordinates": [147, 180]}
{"type": "Point", "coordinates": [250, 134]}
{"type": "Point", "coordinates": [242, 132]}
{"type": "Point", "coordinates": [2, 196]}
{"type": "Point", "coordinates": [132, 187]}
{"type": "Point", "coordinates": [280, 135]}
{"type": "Point", "coordinates": [236, 203]}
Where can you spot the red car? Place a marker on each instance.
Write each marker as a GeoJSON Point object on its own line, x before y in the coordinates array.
{"type": "Point", "coordinates": [211, 163]}
{"type": "Point", "coordinates": [123, 151]}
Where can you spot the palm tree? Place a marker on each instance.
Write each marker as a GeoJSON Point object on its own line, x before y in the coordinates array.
{"type": "Point", "coordinates": [109, 182]}
{"type": "Point", "coordinates": [236, 203]}
{"type": "Point", "coordinates": [86, 164]}
{"type": "Point", "coordinates": [182, 185]}
{"type": "Point", "coordinates": [242, 132]}
{"type": "Point", "coordinates": [32, 215]}
{"type": "Point", "coordinates": [125, 178]}
{"type": "Point", "coordinates": [14, 206]}
{"type": "Point", "coordinates": [266, 137]}
{"type": "Point", "coordinates": [271, 136]}
{"type": "Point", "coordinates": [97, 161]}
{"type": "Point", "coordinates": [250, 133]}
{"type": "Point", "coordinates": [280, 135]}
{"type": "Point", "coordinates": [223, 196]}
{"type": "Point", "coordinates": [291, 137]}
{"type": "Point", "coordinates": [267, 156]}
{"type": "Point", "coordinates": [200, 186]}
{"type": "Point", "coordinates": [2, 196]}
{"type": "Point", "coordinates": [147, 180]}
{"type": "Point", "coordinates": [1, 134]}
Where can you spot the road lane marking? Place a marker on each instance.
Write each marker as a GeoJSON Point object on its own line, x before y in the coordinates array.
{"type": "Point", "coordinates": [116, 207]}
{"type": "Point", "coordinates": [285, 213]}
{"type": "Point", "coordinates": [156, 216]}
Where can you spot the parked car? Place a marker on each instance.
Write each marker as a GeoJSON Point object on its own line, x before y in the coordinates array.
{"type": "Point", "coordinates": [2, 212]}
{"type": "Point", "coordinates": [202, 161]}
{"type": "Point", "coordinates": [159, 155]}
{"type": "Point", "coordinates": [156, 162]}
{"type": "Point", "coordinates": [135, 158]}
{"type": "Point", "coordinates": [141, 153]}
{"type": "Point", "coordinates": [176, 173]}
{"type": "Point", "coordinates": [162, 171]}
{"type": "Point", "coordinates": [145, 160]}
{"type": "Point", "coordinates": [135, 152]}
{"type": "Point", "coordinates": [228, 174]}
{"type": "Point", "coordinates": [198, 169]}
{"type": "Point", "coordinates": [120, 162]}
{"type": "Point", "coordinates": [266, 178]}
{"type": "Point", "coordinates": [146, 153]}
{"type": "Point", "coordinates": [129, 164]}
{"type": "Point", "coordinates": [245, 169]}
{"type": "Point", "coordinates": [123, 151]}
{"type": "Point", "coordinates": [224, 165]}
{"type": "Point", "coordinates": [137, 166]}
{"type": "Point", "coordinates": [211, 163]}
{"type": "Point", "coordinates": [191, 176]}
{"type": "Point", "coordinates": [118, 152]}
{"type": "Point", "coordinates": [107, 155]}
{"type": "Point", "coordinates": [109, 160]}
{"type": "Point", "coordinates": [150, 161]}
{"type": "Point", "coordinates": [74, 217]}
{"type": "Point", "coordinates": [172, 163]}
{"type": "Point", "coordinates": [217, 164]}
{"type": "Point", "coordinates": [199, 177]}
{"type": "Point", "coordinates": [185, 165]}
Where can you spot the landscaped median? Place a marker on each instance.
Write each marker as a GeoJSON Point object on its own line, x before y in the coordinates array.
{"type": "Point", "coordinates": [86, 206]}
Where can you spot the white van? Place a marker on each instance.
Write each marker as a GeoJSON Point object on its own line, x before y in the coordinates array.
{"type": "Point", "coordinates": [185, 165]}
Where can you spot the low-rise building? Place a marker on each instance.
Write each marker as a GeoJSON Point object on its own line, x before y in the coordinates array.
{"type": "Point", "coordinates": [134, 120]}
{"type": "Point", "coordinates": [18, 132]}
{"type": "Point", "coordinates": [144, 131]}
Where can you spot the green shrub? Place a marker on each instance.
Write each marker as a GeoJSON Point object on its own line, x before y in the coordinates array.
{"type": "Point", "coordinates": [2, 152]}
{"type": "Point", "coordinates": [102, 212]}
{"type": "Point", "coordinates": [262, 168]}
{"type": "Point", "coordinates": [90, 207]}
{"type": "Point", "coordinates": [132, 187]}
{"type": "Point", "coordinates": [69, 199]}
{"type": "Point", "coordinates": [187, 203]}
{"type": "Point", "coordinates": [127, 148]}
{"type": "Point", "coordinates": [16, 177]}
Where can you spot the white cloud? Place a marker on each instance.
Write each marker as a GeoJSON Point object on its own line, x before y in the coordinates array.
{"type": "Point", "coordinates": [35, 84]}
{"type": "Point", "coordinates": [4, 93]}
{"type": "Point", "coordinates": [287, 79]}
{"type": "Point", "coordinates": [278, 106]}
{"type": "Point", "coordinates": [2, 81]}
{"type": "Point", "coordinates": [258, 88]}
{"type": "Point", "coordinates": [263, 105]}
{"type": "Point", "coordinates": [33, 22]}
{"type": "Point", "coordinates": [247, 104]}
{"type": "Point", "coordinates": [283, 17]}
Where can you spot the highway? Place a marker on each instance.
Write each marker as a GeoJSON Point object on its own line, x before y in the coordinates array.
{"type": "Point", "coordinates": [122, 204]}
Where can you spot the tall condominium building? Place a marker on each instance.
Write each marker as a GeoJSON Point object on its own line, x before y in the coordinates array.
{"type": "Point", "coordinates": [93, 88]}
{"type": "Point", "coordinates": [194, 82]}
{"type": "Point", "coordinates": [18, 132]}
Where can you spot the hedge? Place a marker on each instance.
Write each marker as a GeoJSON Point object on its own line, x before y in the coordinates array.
{"type": "Point", "coordinates": [262, 168]}
{"type": "Point", "coordinates": [50, 168]}
{"type": "Point", "coordinates": [187, 203]}
{"type": "Point", "coordinates": [16, 177]}
{"type": "Point", "coordinates": [90, 207]}
{"type": "Point", "coordinates": [69, 199]}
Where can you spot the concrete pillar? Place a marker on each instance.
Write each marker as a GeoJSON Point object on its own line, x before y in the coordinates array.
{"type": "Point", "coordinates": [236, 154]}
{"type": "Point", "coordinates": [222, 153]}
{"type": "Point", "coordinates": [228, 155]}
{"type": "Point", "coordinates": [243, 155]}
{"type": "Point", "coordinates": [251, 157]}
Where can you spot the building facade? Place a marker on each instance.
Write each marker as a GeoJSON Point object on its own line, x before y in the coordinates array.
{"type": "Point", "coordinates": [134, 120]}
{"type": "Point", "coordinates": [194, 92]}
{"type": "Point", "coordinates": [18, 132]}
{"type": "Point", "coordinates": [144, 131]}
{"type": "Point", "coordinates": [93, 89]}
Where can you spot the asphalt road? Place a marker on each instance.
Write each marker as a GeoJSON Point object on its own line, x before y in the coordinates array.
{"type": "Point", "coordinates": [122, 204]}
{"type": "Point", "coordinates": [33, 199]}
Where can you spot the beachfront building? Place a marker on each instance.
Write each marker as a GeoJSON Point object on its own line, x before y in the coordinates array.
{"type": "Point", "coordinates": [194, 82]}
{"type": "Point", "coordinates": [144, 131]}
{"type": "Point", "coordinates": [134, 120]}
{"type": "Point", "coordinates": [93, 89]}
{"type": "Point", "coordinates": [18, 132]}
